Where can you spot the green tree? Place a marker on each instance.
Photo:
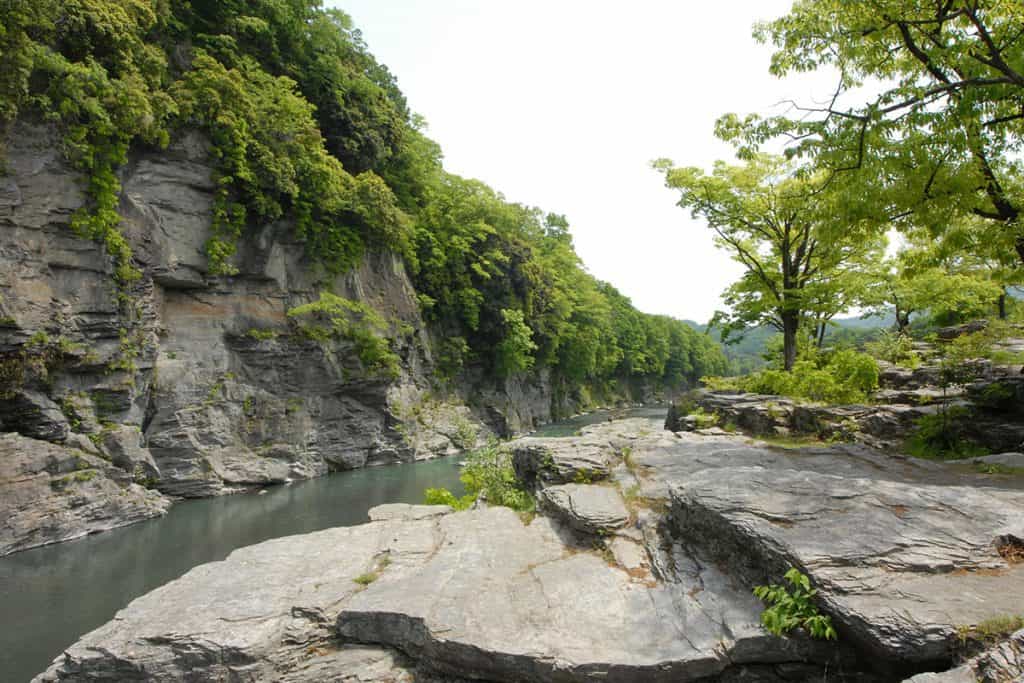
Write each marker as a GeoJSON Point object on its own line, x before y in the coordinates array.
{"type": "Point", "coordinates": [769, 217]}
{"type": "Point", "coordinates": [924, 278]}
{"type": "Point", "coordinates": [945, 130]}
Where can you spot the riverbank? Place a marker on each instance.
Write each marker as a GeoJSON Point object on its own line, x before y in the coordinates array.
{"type": "Point", "coordinates": [54, 594]}
{"type": "Point", "coordinates": [639, 567]}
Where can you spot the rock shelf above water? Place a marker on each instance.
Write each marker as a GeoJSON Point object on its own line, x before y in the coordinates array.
{"type": "Point", "coordinates": [904, 555]}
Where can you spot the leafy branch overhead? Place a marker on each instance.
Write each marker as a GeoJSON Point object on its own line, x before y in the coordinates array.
{"type": "Point", "coordinates": [944, 132]}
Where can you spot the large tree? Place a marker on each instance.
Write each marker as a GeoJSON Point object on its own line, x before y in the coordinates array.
{"type": "Point", "coordinates": [774, 222]}
{"type": "Point", "coordinates": [942, 133]}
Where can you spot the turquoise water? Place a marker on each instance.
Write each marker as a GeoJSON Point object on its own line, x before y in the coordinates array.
{"type": "Point", "coordinates": [51, 596]}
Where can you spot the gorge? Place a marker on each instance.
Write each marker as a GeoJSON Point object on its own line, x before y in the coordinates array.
{"type": "Point", "coordinates": [284, 399]}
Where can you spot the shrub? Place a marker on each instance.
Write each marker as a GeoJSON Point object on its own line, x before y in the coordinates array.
{"type": "Point", "coordinates": [894, 348]}
{"type": "Point", "coordinates": [789, 610]}
{"type": "Point", "coordinates": [340, 318]}
{"type": "Point", "coordinates": [487, 471]}
{"type": "Point", "coordinates": [840, 377]}
{"type": "Point", "coordinates": [943, 435]}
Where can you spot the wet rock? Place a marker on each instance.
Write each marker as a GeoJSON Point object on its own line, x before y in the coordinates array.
{"type": "Point", "coordinates": [586, 508]}
{"type": "Point", "coordinates": [50, 493]}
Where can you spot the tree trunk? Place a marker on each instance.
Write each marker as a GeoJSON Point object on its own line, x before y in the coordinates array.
{"type": "Point", "coordinates": [902, 321]}
{"type": "Point", "coordinates": [790, 326]}
{"type": "Point", "coordinates": [1002, 305]}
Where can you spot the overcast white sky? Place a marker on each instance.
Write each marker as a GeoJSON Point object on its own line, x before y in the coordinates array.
{"type": "Point", "coordinates": [562, 104]}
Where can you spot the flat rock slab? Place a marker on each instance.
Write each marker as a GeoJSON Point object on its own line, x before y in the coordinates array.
{"type": "Point", "coordinates": [266, 613]}
{"type": "Point", "coordinates": [507, 602]}
{"type": "Point", "coordinates": [473, 594]}
{"type": "Point", "coordinates": [50, 493]}
{"type": "Point", "coordinates": [560, 461]}
{"type": "Point", "coordinates": [587, 508]}
{"type": "Point", "coordinates": [899, 565]}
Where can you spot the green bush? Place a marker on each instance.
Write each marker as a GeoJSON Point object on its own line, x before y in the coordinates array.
{"type": "Point", "coordinates": [486, 471]}
{"type": "Point", "coordinates": [335, 317]}
{"type": "Point", "coordinates": [840, 377]}
{"type": "Point", "coordinates": [943, 436]}
{"type": "Point", "coordinates": [789, 610]}
{"type": "Point", "coordinates": [894, 348]}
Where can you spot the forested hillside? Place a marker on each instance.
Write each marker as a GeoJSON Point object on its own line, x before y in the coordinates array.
{"type": "Point", "coordinates": [307, 127]}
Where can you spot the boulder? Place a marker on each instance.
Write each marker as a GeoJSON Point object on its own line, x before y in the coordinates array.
{"type": "Point", "coordinates": [540, 461]}
{"type": "Point", "coordinates": [1001, 663]}
{"type": "Point", "coordinates": [586, 508]}
{"type": "Point", "coordinates": [898, 564]}
{"type": "Point", "coordinates": [50, 493]}
{"type": "Point", "coordinates": [123, 444]}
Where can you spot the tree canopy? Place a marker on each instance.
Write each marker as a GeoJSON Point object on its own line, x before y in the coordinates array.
{"type": "Point", "coordinates": [944, 132]}
{"type": "Point", "coordinates": [799, 266]}
{"type": "Point", "coordinates": [307, 127]}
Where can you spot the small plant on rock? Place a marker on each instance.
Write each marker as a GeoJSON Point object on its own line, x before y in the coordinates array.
{"type": "Point", "coordinates": [487, 471]}
{"type": "Point", "coordinates": [789, 610]}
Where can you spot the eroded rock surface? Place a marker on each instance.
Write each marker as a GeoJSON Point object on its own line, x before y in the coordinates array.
{"type": "Point", "coordinates": [587, 508]}
{"type": "Point", "coordinates": [51, 493]}
{"type": "Point", "coordinates": [905, 555]}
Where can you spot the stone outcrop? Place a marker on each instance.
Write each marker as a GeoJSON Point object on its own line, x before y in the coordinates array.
{"type": "Point", "coordinates": [586, 508]}
{"type": "Point", "coordinates": [906, 556]}
{"type": "Point", "coordinates": [51, 493]}
{"type": "Point", "coordinates": [208, 371]}
{"type": "Point", "coordinates": [993, 404]}
{"type": "Point", "coordinates": [476, 594]}
{"type": "Point", "coordinates": [1003, 663]}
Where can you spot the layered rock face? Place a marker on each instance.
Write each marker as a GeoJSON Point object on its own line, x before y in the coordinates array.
{"type": "Point", "coordinates": [993, 400]}
{"type": "Point", "coordinates": [194, 385]}
{"type": "Point", "coordinates": [49, 494]}
{"type": "Point", "coordinates": [907, 558]}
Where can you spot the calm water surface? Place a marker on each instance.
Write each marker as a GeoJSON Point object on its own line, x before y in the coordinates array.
{"type": "Point", "coordinates": [656, 414]}
{"type": "Point", "coordinates": [51, 596]}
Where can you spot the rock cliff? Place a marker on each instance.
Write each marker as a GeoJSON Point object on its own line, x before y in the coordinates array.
{"type": "Point", "coordinates": [193, 385]}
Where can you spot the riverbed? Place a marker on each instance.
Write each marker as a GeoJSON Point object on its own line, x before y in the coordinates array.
{"type": "Point", "coordinates": [51, 596]}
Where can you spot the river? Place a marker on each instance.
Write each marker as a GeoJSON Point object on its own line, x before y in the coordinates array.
{"type": "Point", "coordinates": [51, 596]}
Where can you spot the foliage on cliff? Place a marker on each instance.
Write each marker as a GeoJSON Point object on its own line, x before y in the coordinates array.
{"type": "Point", "coordinates": [305, 125]}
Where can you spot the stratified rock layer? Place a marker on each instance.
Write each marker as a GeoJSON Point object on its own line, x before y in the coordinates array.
{"type": "Point", "coordinates": [905, 556]}
{"type": "Point", "coordinates": [50, 493]}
